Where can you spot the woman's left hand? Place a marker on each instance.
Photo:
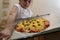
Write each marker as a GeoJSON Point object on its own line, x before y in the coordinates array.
{"type": "Point", "coordinates": [5, 34]}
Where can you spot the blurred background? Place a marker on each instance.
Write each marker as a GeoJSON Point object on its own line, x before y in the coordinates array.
{"type": "Point", "coordinates": [38, 7]}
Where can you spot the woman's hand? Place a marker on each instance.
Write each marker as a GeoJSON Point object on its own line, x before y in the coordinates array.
{"type": "Point", "coordinates": [5, 34]}
{"type": "Point", "coordinates": [47, 23]}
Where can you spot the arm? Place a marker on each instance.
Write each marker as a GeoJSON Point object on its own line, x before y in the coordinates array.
{"type": "Point", "coordinates": [11, 18]}
{"type": "Point", "coordinates": [6, 33]}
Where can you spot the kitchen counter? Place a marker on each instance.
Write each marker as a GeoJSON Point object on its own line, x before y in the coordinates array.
{"type": "Point", "coordinates": [39, 34]}
{"type": "Point", "coordinates": [54, 26]}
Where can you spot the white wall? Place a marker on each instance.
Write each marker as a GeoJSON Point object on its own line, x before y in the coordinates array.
{"type": "Point", "coordinates": [46, 6]}
{"type": "Point", "coordinates": [39, 7]}
{"type": "Point", "coordinates": [0, 9]}
{"type": "Point", "coordinates": [42, 6]}
{"type": "Point", "coordinates": [12, 2]}
{"type": "Point", "coordinates": [0, 6]}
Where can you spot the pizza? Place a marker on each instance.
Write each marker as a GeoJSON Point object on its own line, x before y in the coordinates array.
{"type": "Point", "coordinates": [32, 26]}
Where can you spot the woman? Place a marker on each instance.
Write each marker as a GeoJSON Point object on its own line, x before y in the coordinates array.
{"type": "Point", "coordinates": [18, 11]}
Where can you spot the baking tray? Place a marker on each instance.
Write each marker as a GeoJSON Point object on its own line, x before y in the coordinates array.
{"type": "Point", "coordinates": [38, 16]}
{"type": "Point", "coordinates": [54, 23]}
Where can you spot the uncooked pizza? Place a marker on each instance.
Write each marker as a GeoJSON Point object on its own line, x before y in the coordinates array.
{"type": "Point", "coordinates": [32, 25]}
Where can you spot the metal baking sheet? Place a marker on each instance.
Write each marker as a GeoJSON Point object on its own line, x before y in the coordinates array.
{"type": "Point", "coordinates": [54, 23]}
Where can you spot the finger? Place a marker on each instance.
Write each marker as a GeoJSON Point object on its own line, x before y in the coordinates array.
{"type": "Point", "coordinates": [1, 39]}
{"type": "Point", "coordinates": [1, 35]}
{"type": "Point", "coordinates": [6, 37]}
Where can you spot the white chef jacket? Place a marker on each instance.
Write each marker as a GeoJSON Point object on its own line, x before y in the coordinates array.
{"type": "Point", "coordinates": [23, 13]}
